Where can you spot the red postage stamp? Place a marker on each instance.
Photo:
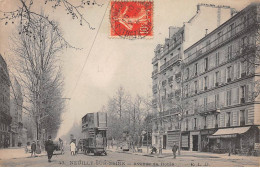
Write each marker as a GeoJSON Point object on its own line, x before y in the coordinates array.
{"type": "Point", "coordinates": [131, 19]}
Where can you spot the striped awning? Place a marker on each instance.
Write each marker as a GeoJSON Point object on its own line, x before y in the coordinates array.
{"type": "Point", "coordinates": [229, 132]}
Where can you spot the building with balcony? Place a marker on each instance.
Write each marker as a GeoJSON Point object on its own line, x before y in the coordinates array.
{"type": "Point", "coordinates": [16, 103]}
{"type": "Point", "coordinates": [5, 118]}
{"type": "Point", "coordinates": [219, 86]}
{"type": "Point", "coordinates": [167, 73]}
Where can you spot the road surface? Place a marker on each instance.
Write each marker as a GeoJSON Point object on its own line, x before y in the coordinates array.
{"type": "Point", "coordinates": [127, 159]}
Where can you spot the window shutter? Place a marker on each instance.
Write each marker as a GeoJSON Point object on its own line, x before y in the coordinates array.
{"type": "Point", "coordinates": [224, 76]}
{"type": "Point", "coordinates": [226, 98]}
{"type": "Point", "coordinates": [231, 118]}
{"type": "Point", "coordinates": [238, 123]}
{"type": "Point", "coordinates": [201, 84]}
{"type": "Point", "coordinates": [237, 95]}
{"type": "Point", "coordinates": [238, 69]}
{"type": "Point", "coordinates": [246, 117]}
{"type": "Point", "coordinates": [235, 70]}
{"type": "Point", "coordinates": [246, 92]}
{"type": "Point", "coordinates": [210, 81]}
{"type": "Point", "coordinates": [232, 72]}
{"type": "Point", "coordinates": [226, 54]}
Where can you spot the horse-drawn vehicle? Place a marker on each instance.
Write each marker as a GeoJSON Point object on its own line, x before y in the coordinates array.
{"type": "Point", "coordinates": [94, 127]}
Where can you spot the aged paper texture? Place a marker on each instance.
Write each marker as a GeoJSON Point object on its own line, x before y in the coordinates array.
{"type": "Point", "coordinates": [129, 83]}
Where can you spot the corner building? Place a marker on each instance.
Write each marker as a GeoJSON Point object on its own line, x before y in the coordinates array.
{"type": "Point", "coordinates": [218, 84]}
{"type": "Point", "coordinates": [167, 72]}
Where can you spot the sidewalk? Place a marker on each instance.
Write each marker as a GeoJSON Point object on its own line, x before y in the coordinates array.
{"type": "Point", "coordinates": [15, 153]}
{"type": "Point", "coordinates": [167, 153]}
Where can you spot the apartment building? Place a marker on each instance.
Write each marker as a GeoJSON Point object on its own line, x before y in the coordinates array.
{"type": "Point", "coordinates": [167, 74]}
{"type": "Point", "coordinates": [16, 102]}
{"type": "Point", "coordinates": [219, 87]}
{"type": "Point", "coordinates": [5, 118]}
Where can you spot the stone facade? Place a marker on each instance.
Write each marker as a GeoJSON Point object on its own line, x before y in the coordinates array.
{"type": "Point", "coordinates": [219, 85]}
{"type": "Point", "coordinates": [167, 74]}
{"type": "Point", "coordinates": [5, 118]}
{"type": "Point", "coordinates": [16, 103]}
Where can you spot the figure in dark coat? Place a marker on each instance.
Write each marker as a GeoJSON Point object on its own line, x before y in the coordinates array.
{"type": "Point", "coordinates": [174, 150]}
{"type": "Point", "coordinates": [33, 148]}
{"type": "Point", "coordinates": [49, 147]}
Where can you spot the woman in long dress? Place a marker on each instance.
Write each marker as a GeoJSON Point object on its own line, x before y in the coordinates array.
{"type": "Point", "coordinates": [72, 148]}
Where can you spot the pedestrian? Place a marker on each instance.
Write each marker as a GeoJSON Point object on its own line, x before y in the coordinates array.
{"type": "Point", "coordinates": [33, 148]}
{"type": "Point", "coordinates": [72, 148]}
{"type": "Point", "coordinates": [49, 147]}
{"type": "Point", "coordinates": [174, 150]}
{"type": "Point", "coordinates": [61, 146]}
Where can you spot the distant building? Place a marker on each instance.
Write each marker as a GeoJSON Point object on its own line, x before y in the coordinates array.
{"type": "Point", "coordinates": [167, 73]}
{"type": "Point", "coordinates": [219, 77]}
{"type": "Point", "coordinates": [5, 118]}
{"type": "Point", "coordinates": [16, 103]}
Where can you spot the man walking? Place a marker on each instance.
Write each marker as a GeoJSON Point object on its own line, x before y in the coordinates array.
{"type": "Point", "coordinates": [49, 147]}
{"type": "Point", "coordinates": [174, 150]}
{"type": "Point", "coordinates": [33, 148]}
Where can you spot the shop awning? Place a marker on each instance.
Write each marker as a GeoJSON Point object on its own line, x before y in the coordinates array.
{"type": "Point", "coordinates": [229, 132]}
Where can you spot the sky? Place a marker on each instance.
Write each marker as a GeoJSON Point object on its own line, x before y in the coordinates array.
{"type": "Point", "coordinates": [110, 63]}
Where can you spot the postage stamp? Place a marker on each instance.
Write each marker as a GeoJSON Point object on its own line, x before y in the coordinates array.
{"type": "Point", "coordinates": [131, 19]}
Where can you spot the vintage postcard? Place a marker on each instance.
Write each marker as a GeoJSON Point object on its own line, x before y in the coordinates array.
{"type": "Point", "coordinates": [129, 83]}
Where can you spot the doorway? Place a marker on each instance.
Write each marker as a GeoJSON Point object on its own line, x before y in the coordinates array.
{"type": "Point", "coordinates": [195, 142]}
{"type": "Point", "coordinates": [164, 141]}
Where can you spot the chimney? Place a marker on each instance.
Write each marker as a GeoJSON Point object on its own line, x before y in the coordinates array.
{"type": "Point", "coordinates": [206, 31]}
{"type": "Point", "coordinates": [173, 30]}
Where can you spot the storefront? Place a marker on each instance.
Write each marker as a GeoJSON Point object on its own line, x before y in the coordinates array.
{"type": "Point", "coordinates": [236, 140]}
{"type": "Point", "coordinates": [195, 141]}
{"type": "Point", "coordinates": [205, 142]}
{"type": "Point", "coordinates": [173, 137]}
{"type": "Point", "coordinates": [185, 140]}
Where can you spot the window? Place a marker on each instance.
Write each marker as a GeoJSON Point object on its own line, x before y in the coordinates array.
{"type": "Point", "coordinates": [208, 45]}
{"type": "Point", "coordinates": [205, 101]}
{"type": "Point", "coordinates": [217, 78]}
{"type": "Point", "coordinates": [229, 54]}
{"type": "Point", "coordinates": [206, 83]}
{"type": "Point", "coordinates": [244, 93]}
{"type": "Point", "coordinates": [232, 29]}
{"type": "Point", "coordinates": [195, 123]}
{"type": "Point", "coordinates": [228, 98]}
{"type": "Point", "coordinates": [243, 90]}
{"type": "Point", "coordinates": [219, 37]}
{"type": "Point", "coordinates": [206, 64]}
{"type": "Point", "coordinates": [187, 73]}
{"type": "Point", "coordinates": [244, 21]}
{"type": "Point", "coordinates": [217, 100]}
{"type": "Point", "coordinates": [195, 102]}
{"type": "Point", "coordinates": [242, 117]}
{"type": "Point", "coordinates": [228, 119]}
{"type": "Point", "coordinates": [196, 86]}
{"type": "Point", "coordinates": [196, 69]}
{"type": "Point", "coordinates": [243, 68]}
{"type": "Point", "coordinates": [217, 59]}
{"type": "Point", "coordinates": [244, 42]}
{"type": "Point", "coordinates": [187, 90]}
{"type": "Point", "coordinates": [229, 74]}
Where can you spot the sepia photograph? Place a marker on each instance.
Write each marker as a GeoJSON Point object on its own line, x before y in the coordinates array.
{"type": "Point", "coordinates": [129, 83]}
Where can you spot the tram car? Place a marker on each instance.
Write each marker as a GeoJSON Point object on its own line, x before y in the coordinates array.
{"type": "Point", "coordinates": [94, 130]}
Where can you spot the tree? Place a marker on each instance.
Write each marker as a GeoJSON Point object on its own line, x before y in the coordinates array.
{"type": "Point", "coordinates": [126, 115]}
{"type": "Point", "coordinates": [26, 15]}
{"type": "Point", "coordinates": [38, 69]}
